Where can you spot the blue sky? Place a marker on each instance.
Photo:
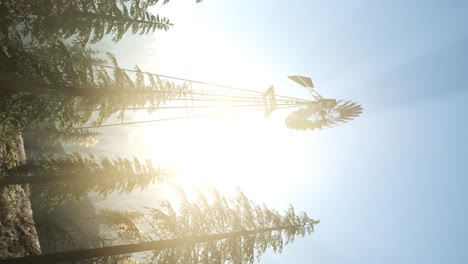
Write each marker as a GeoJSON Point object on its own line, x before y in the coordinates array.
{"type": "Point", "coordinates": [388, 187]}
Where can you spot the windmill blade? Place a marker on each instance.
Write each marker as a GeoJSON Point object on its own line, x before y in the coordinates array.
{"type": "Point", "coordinates": [346, 104]}
{"type": "Point", "coordinates": [302, 80]}
{"type": "Point", "coordinates": [352, 116]}
{"type": "Point", "coordinates": [352, 109]}
{"type": "Point", "coordinates": [347, 118]}
{"type": "Point", "coordinates": [355, 107]}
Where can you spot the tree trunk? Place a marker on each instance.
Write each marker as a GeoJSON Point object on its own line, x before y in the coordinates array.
{"type": "Point", "coordinates": [24, 179]}
{"type": "Point", "coordinates": [18, 235]}
{"type": "Point", "coordinates": [133, 248]}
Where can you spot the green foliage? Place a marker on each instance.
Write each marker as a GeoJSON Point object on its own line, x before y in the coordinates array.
{"type": "Point", "coordinates": [67, 88]}
{"type": "Point", "coordinates": [57, 235]}
{"type": "Point", "coordinates": [123, 224]}
{"type": "Point", "coordinates": [85, 21]}
{"type": "Point", "coordinates": [30, 81]}
{"type": "Point", "coordinates": [62, 178]}
{"type": "Point", "coordinates": [210, 216]}
{"type": "Point", "coordinates": [50, 85]}
{"type": "Point", "coordinates": [211, 229]}
{"type": "Point", "coordinates": [48, 136]}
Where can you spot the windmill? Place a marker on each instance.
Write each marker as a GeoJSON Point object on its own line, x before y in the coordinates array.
{"type": "Point", "coordinates": [185, 98]}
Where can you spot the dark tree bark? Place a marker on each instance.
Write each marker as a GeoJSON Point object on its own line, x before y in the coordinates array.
{"type": "Point", "coordinates": [133, 248]}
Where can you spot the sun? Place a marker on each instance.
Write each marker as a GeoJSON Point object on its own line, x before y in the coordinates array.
{"type": "Point", "coordinates": [223, 150]}
{"type": "Point", "coordinates": [203, 151]}
{"type": "Point", "coordinates": [244, 150]}
{"type": "Point", "coordinates": [226, 151]}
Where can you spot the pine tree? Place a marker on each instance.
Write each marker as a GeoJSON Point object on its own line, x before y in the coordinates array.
{"type": "Point", "coordinates": [106, 227]}
{"type": "Point", "coordinates": [220, 231]}
{"type": "Point", "coordinates": [50, 82]}
{"type": "Point", "coordinates": [74, 176]}
{"type": "Point", "coordinates": [87, 21]}
{"type": "Point", "coordinates": [90, 26]}
{"type": "Point", "coordinates": [51, 135]}
{"type": "Point", "coordinates": [71, 85]}
{"type": "Point", "coordinates": [58, 180]}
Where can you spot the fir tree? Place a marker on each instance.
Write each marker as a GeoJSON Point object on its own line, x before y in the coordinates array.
{"type": "Point", "coordinates": [87, 21]}
{"type": "Point", "coordinates": [51, 135]}
{"type": "Point", "coordinates": [221, 231]}
{"type": "Point", "coordinates": [74, 176]}
{"type": "Point", "coordinates": [71, 85]}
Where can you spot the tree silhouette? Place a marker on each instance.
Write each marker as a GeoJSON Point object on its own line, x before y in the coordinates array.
{"type": "Point", "coordinates": [87, 21]}
{"type": "Point", "coordinates": [41, 138]}
{"type": "Point", "coordinates": [105, 227]}
{"type": "Point", "coordinates": [90, 26]}
{"type": "Point", "coordinates": [61, 178]}
{"type": "Point", "coordinates": [68, 87]}
{"type": "Point", "coordinates": [49, 82]}
{"type": "Point", "coordinates": [220, 231]}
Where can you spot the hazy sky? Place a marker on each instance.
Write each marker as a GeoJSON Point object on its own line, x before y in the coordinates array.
{"type": "Point", "coordinates": [388, 187]}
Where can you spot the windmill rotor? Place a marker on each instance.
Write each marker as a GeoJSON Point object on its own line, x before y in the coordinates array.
{"type": "Point", "coordinates": [322, 112]}
{"type": "Point", "coordinates": [319, 115]}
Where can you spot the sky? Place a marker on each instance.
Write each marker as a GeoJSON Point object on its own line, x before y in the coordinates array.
{"type": "Point", "coordinates": [388, 187]}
